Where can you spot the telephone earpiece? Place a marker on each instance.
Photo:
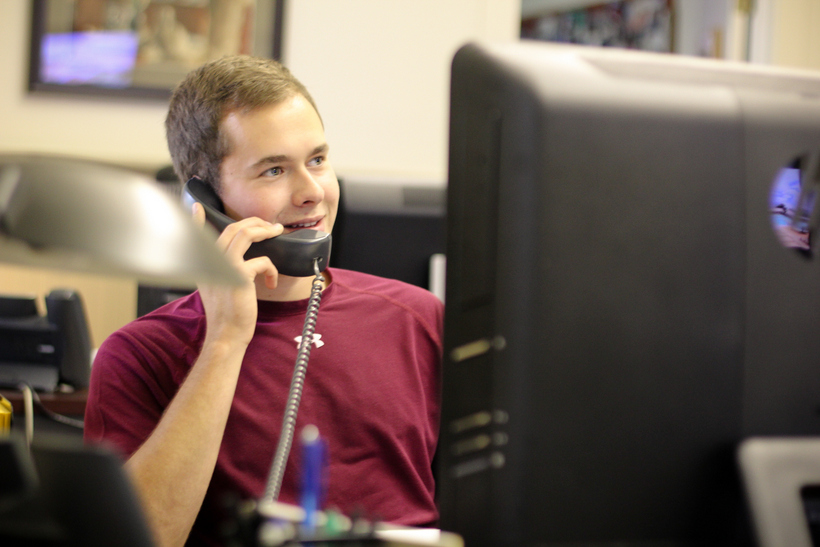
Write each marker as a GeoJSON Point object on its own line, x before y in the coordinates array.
{"type": "Point", "coordinates": [293, 254]}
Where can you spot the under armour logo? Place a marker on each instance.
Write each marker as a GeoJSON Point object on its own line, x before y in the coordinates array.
{"type": "Point", "coordinates": [317, 340]}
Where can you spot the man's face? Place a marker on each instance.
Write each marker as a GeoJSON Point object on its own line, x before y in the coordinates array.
{"type": "Point", "coordinates": [278, 169]}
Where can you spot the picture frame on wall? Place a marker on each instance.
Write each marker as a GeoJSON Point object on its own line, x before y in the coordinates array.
{"type": "Point", "coordinates": [143, 49]}
{"type": "Point", "coordinates": [634, 24]}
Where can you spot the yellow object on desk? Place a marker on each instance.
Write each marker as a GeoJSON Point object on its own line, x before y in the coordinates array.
{"type": "Point", "coordinates": [5, 416]}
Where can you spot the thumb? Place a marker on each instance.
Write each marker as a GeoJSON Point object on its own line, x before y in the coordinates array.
{"type": "Point", "coordinates": [198, 214]}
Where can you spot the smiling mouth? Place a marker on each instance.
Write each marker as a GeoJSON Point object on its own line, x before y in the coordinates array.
{"type": "Point", "coordinates": [300, 225]}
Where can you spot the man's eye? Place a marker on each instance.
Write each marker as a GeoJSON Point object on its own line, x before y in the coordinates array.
{"type": "Point", "coordinates": [318, 160]}
{"type": "Point", "coordinates": [272, 172]}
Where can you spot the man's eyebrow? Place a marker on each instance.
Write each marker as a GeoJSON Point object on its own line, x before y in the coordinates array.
{"type": "Point", "coordinates": [321, 149]}
{"type": "Point", "coordinates": [267, 160]}
{"type": "Point", "coordinates": [282, 158]}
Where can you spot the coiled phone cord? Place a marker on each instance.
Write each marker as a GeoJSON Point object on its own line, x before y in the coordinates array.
{"type": "Point", "coordinates": [297, 383]}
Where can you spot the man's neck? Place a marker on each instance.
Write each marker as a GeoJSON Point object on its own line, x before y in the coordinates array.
{"type": "Point", "coordinates": [288, 289]}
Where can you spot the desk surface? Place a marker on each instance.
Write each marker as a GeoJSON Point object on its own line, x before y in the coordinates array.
{"type": "Point", "coordinates": [70, 404]}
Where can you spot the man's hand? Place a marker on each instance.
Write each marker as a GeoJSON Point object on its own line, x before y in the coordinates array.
{"type": "Point", "coordinates": [232, 311]}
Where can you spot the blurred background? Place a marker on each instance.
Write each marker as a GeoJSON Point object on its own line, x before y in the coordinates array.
{"type": "Point", "coordinates": [379, 72]}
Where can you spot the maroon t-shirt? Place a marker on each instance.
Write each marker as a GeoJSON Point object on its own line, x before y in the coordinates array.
{"type": "Point", "coordinates": [372, 389]}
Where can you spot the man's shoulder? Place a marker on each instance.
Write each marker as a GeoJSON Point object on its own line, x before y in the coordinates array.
{"type": "Point", "coordinates": [181, 317]}
{"type": "Point", "coordinates": [364, 283]}
{"type": "Point", "coordinates": [371, 290]}
{"type": "Point", "coordinates": [388, 299]}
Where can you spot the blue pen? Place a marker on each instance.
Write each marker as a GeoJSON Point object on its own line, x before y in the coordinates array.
{"type": "Point", "coordinates": [313, 467]}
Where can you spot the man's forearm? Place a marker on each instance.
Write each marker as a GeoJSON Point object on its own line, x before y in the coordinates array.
{"type": "Point", "coordinates": [172, 469]}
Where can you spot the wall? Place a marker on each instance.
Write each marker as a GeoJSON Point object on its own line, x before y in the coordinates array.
{"type": "Point", "coordinates": [379, 71]}
{"type": "Point", "coordinates": [795, 39]}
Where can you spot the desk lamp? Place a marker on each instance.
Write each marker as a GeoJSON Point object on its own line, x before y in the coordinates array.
{"type": "Point", "coordinates": [84, 216]}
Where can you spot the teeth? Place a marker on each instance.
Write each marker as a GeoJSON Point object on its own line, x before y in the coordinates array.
{"type": "Point", "coordinates": [307, 225]}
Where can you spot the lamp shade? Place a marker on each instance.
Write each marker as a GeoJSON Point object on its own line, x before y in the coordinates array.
{"type": "Point", "coordinates": [80, 215]}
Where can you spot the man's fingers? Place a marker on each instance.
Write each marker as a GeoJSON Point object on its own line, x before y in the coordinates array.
{"type": "Point", "coordinates": [238, 236]}
{"type": "Point", "coordinates": [263, 266]}
{"type": "Point", "coordinates": [198, 213]}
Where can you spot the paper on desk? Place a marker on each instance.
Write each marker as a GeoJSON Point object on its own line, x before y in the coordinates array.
{"type": "Point", "coordinates": [417, 536]}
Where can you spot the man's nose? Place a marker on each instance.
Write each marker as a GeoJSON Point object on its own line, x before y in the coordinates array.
{"type": "Point", "coordinates": [306, 189]}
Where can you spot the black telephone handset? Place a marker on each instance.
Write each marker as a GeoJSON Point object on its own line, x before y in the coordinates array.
{"type": "Point", "coordinates": [293, 254]}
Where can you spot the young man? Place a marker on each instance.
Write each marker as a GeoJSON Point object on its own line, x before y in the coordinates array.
{"type": "Point", "coordinates": [193, 394]}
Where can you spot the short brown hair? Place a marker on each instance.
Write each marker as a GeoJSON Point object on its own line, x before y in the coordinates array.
{"type": "Point", "coordinates": [208, 94]}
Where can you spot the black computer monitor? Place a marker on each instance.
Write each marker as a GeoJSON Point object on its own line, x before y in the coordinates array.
{"type": "Point", "coordinates": [620, 308]}
{"type": "Point", "coordinates": [65, 494]}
